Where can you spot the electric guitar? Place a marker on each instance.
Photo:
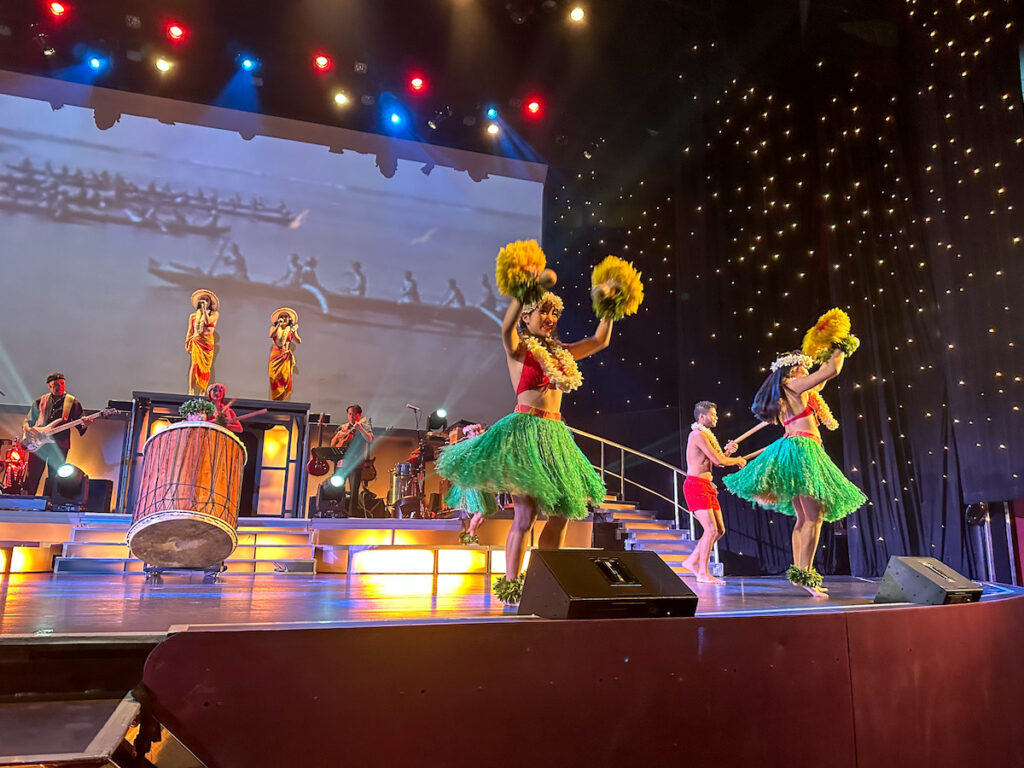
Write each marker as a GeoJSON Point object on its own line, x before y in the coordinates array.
{"type": "Point", "coordinates": [34, 438]}
{"type": "Point", "coordinates": [316, 466]}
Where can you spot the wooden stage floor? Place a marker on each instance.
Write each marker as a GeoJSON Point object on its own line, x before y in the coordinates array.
{"type": "Point", "coordinates": [42, 605]}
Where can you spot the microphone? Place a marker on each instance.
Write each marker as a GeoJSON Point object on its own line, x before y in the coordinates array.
{"type": "Point", "coordinates": [411, 406]}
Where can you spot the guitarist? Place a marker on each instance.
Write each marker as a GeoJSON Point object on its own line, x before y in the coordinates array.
{"type": "Point", "coordinates": [54, 408]}
{"type": "Point", "coordinates": [354, 438]}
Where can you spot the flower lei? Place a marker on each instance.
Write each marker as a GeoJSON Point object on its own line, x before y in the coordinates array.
{"type": "Point", "coordinates": [822, 411]}
{"type": "Point", "coordinates": [560, 368]}
{"type": "Point", "coordinates": [792, 359]}
{"type": "Point", "coordinates": [709, 436]}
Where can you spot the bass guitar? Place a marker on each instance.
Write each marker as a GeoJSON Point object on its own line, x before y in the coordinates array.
{"type": "Point", "coordinates": [34, 438]}
{"type": "Point", "coordinates": [316, 466]}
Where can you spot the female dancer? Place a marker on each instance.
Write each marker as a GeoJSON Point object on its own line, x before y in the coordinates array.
{"type": "Point", "coordinates": [794, 475]}
{"type": "Point", "coordinates": [530, 453]}
{"type": "Point", "coordinates": [199, 341]}
{"type": "Point", "coordinates": [284, 333]}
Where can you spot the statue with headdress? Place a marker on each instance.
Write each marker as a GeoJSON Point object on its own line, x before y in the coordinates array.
{"type": "Point", "coordinates": [284, 335]}
{"type": "Point", "coordinates": [199, 343]}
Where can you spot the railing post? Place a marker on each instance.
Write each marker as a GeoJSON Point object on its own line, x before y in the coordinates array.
{"type": "Point", "coordinates": [622, 474]}
{"type": "Point", "coordinates": [602, 459]}
{"type": "Point", "coordinates": [675, 498]}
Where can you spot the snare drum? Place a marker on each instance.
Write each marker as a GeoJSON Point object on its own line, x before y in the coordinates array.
{"type": "Point", "coordinates": [405, 469]}
{"type": "Point", "coordinates": [186, 512]}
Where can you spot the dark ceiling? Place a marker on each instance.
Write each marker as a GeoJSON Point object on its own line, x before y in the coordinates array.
{"type": "Point", "coordinates": [621, 78]}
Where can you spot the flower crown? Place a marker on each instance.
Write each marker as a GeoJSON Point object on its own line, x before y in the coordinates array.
{"type": "Point", "coordinates": [790, 359]}
{"type": "Point", "coordinates": [547, 298]}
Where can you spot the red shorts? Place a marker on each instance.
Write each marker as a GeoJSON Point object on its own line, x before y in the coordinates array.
{"type": "Point", "coordinates": [700, 493]}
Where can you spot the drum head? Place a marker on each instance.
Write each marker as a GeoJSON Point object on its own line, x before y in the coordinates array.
{"type": "Point", "coordinates": [181, 540]}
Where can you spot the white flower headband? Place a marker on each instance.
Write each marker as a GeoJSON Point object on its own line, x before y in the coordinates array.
{"type": "Point", "coordinates": [547, 298]}
{"type": "Point", "coordinates": [792, 358]}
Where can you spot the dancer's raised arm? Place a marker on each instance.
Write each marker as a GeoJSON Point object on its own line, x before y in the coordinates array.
{"type": "Point", "coordinates": [586, 347]}
{"type": "Point", "coordinates": [827, 370]}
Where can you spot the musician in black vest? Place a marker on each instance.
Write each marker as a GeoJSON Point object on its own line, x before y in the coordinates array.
{"type": "Point", "coordinates": [54, 408]}
{"type": "Point", "coordinates": [354, 438]}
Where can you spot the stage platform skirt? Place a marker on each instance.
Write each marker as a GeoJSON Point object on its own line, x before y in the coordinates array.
{"type": "Point", "coordinates": [526, 455]}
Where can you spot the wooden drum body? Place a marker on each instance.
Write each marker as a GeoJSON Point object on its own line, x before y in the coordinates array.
{"type": "Point", "coordinates": [186, 514]}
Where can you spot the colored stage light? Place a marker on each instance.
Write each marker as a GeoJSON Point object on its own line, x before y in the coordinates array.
{"type": "Point", "coordinates": [337, 481]}
{"type": "Point", "coordinates": [248, 63]}
{"type": "Point", "coordinates": [58, 9]}
{"type": "Point", "coordinates": [340, 98]}
{"type": "Point", "coordinates": [15, 455]}
{"type": "Point", "coordinates": [417, 84]}
{"type": "Point", "coordinates": [493, 129]}
{"type": "Point", "coordinates": [66, 470]}
{"type": "Point", "coordinates": [438, 421]}
{"type": "Point", "coordinates": [492, 113]}
{"type": "Point", "coordinates": [534, 108]}
{"type": "Point", "coordinates": [95, 63]}
{"type": "Point", "coordinates": [322, 62]}
{"type": "Point", "coordinates": [577, 14]}
{"type": "Point", "coordinates": [176, 32]}
{"type": "Point", "coordinates": [395, 118]}
{"type": "Point", "coordinates": [163, 64]}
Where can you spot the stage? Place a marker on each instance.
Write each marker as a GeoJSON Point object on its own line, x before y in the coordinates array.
{"type": "Point", "coordinates": [390, 669]}
{"type": "Point", "coordinates": [59, 606]}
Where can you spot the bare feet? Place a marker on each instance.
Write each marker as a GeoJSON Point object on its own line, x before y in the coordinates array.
{"type": "Point", "coordinates": [690, 563]}
{"type": "Point", "coordinates": [707, 578]}
{"type": "Point", "coordinates": [817, 592]}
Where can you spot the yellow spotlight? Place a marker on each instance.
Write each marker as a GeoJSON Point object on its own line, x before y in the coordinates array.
{"type": "Point", "coordinates": [576, 14]}
{"type": "Point", "coordinates": [493, 129]}
{"type": "Point", "coordinates": [158, 425]}
{"type": "Point", "coordinates": [340, 98]}
{"type": "Point", "coordinates": [163, 64]}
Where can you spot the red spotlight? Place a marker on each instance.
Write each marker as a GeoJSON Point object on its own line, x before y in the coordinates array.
{"type": "Point", "coordinates": [534, 107]}
{"type": "Point", "coordinates": [176, 32]}
{"type": "Point", "coordinates": [322, 62]}
{"type": "Point", "coordinates": [15, 455]}
{"type": "Point", "coordinates": [58, 9]}
{"type": "Point", "coordinates": [417, 84]}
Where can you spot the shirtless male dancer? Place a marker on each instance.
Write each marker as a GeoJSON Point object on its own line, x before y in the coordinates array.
{"type": "Point", "coordinates": [703, 452]}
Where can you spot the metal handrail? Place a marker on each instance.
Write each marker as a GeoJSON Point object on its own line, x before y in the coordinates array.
{"type": "Point", "coordinates": [677, 508]}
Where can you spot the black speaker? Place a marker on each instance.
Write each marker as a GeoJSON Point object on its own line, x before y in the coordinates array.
{"type": "Point", "coordinates": [99, 496]}
{"type": "Point", "coordinates": [596, 584]}
{"type": "Point", "coordinates": [924, 580]}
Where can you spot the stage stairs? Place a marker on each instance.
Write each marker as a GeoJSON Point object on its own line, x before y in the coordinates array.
{"type": "Point", "coordinates": [641, 530]}
{"type": "Point", "coordinates": [97, 545]}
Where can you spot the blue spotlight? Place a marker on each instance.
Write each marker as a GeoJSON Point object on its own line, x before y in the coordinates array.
{"type": "Point", "coordinates": [95, 62]}
{"type": "Point", "coordinates": [491, 113]}
{"type": "Point", "coordinates": [395, 118]}
{"type": "Point", "coordinates": [248, 63]}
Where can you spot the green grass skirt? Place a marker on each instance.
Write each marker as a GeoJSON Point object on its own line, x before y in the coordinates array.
{"type": "Point", "coordinates": [525, 455]}
{"type": "Point", "coordinates": [796, 466]}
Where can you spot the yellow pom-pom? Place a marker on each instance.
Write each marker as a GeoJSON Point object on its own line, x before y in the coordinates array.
{"type": "Point", "coordinates": [518, 268]}
{"type": "Point", "coordinates": [831, 327]}
{"type": "Point", "coordinates": [617, 289]}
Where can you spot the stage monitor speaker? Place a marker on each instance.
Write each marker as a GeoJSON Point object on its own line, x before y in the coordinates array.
{"type": "Point", "coordinates": [926, 581]}
{"type": "Point", "coordinates": [596, 584]}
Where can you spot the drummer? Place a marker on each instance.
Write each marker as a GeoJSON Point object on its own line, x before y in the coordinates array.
{"type": "Point", "coordinates": [223, 413]}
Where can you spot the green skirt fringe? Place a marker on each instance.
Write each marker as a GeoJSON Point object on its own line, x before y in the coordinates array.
{"type": "Point", "coordinates": [796, 466]}
{"type": "Point", "coordinates": [525, 455]}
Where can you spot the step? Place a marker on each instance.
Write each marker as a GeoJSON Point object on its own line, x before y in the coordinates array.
{"type": "Point", "coordinates": [633, 515]}
{"type": "Point", "coordinates": [662, 547]}
{"type": "Point", "coordinates": [118, 534]}
{"type": "Point", "coordinates": [657, 533]}
{"type": "Point", "coordinates": [243, 551]}
{"type": "Point", "coordinates": [132, 565]}
{"type": "Point", "coordinates": [624, 505]}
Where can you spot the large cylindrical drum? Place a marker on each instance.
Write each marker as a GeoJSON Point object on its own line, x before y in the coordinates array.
{"type": "Point", "coordinates": [186, 513]}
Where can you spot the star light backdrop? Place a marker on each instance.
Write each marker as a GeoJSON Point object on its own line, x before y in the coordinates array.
{"type": "Point", "coordinates": [878, 173]}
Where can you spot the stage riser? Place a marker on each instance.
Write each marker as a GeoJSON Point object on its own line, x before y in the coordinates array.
{"type": "Point", "coordinates": [847, 690]}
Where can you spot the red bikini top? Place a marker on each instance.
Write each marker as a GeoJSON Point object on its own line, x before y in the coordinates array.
{"type": "Point", "coordinates": [532, 376]}
{"type": "Point", "coordinates": [808, 411]}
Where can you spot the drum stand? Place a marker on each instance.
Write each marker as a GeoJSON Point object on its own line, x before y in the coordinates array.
{"type": "Point", "coordinates": [210, 572]}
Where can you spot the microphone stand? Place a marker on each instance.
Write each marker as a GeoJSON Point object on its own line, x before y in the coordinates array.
{"type": "Point", "coordinates": [420, 469]}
